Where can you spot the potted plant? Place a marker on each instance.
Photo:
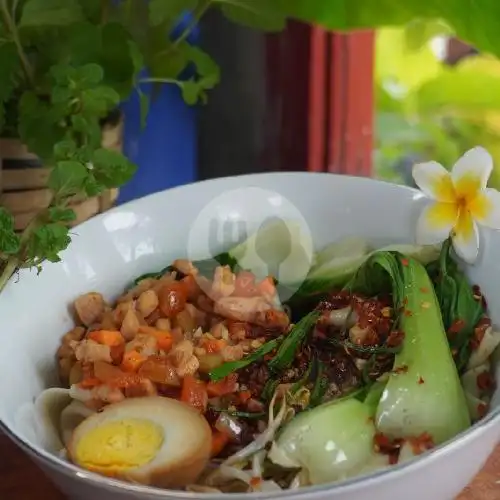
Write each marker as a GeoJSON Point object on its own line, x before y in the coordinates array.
{"type": "Point", "coordinates": [67, 64]}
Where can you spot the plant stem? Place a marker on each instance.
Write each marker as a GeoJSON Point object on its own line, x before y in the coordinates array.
{"type": "Point", "coordinates": [172, 81]}
{"type": "Point", "coordinates": [12, 28]}
{"type": "Point", "coordinates": [198, 12]}
{"type": "Point", "coordinates": [10, 268]}
{"type": "Point", "coordinates": [14, 262]}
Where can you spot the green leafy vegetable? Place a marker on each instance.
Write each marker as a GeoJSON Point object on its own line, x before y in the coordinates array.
{"type": "Point", "coordinates": [382, 349]}
{"type": "Point", "coordinates": [338, 262]}
{"type": "Point", "coordinates": [461, 311]}
{"type": "Point", "coordinates": [232, 366]}
{"type": "Point", "coordinates": [321, 384]}
{"type": "Point", "coordinates": [427, 397]}
{"type": "Point", "coordinates": [314, 440]}
{"type": "Point", "coordinates": [293, 342]}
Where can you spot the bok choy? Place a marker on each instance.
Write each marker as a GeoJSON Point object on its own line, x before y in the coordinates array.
{"type": "Point", "coordinates": [330, 443]}
{"type": "Point", "coordinates": [426, 396]}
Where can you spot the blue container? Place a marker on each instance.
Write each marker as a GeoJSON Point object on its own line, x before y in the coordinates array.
{"type": "Point", "coordinates": [166, 149]}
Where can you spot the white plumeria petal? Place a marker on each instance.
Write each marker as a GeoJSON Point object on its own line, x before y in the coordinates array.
{"type": "Point", "coordinates": [436, 223]}
{"type": "Point", "coordinates": [485, 208]}
{"type": "Point", "coordinates": [472, 171]}
{"type": "Point", "coordinates": [465, 238]}
{"type": "Point", "coordinates": [434, 181]}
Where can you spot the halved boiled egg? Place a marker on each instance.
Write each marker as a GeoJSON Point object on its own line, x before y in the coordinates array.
{"type": "Point", "coordinates": [153, 441]}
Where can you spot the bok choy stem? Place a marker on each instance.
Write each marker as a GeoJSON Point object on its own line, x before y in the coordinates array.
{"type": "Point", "coordinates": [427, 397]}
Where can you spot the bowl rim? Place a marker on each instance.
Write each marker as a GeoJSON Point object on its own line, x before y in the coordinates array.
{"type": "Point", "coordinates": [68, 469]}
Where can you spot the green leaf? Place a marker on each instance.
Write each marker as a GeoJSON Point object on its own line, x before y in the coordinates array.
{"type": "Point", "coordinates": [92, 9]}
{"type": "Point", "coordinates": [99, 101]}
{"type": "Point", "coordinates": [167, 60]}
{"type": "Point", "coordinates": [260, 14]}
{"type": "Point", "coordinates": [206, 67]}
{"type": "Point", "coordinates": [43, 13]}
{"type": "Point", "coordinates": [88, 125]}
{"type": "Point", "coordinates": [58, 214]}
{"type": "Point", "coordinates": [191, 91]}
{"type": "Point", "coordinates": [39, 124]}
{"type": "Point", "coordinates": [458, 305]}
{"type": "Point", "coordinates": [460, 89]}
{"type": "Point", "coordinates": [111, 169]}
{"type": "Point", "coordinates": [137, 57]}
{"type": "Point", "coordinates": [65, 149]}
{"type": "Point", "coordinates": [46, 242]}
{"type": "Point", "coordinates": [9, 240]}
{"type": "Point", "coordinates": [89, 75]}
{"type": "Point", "coordinates": [292, 342]}
{"type": "Point", "coordinates": [419, 32]}
{"type": "Point", "coordinates": [473, 22]}
{"type": "Point", "coordinates": [109, 47]}
{"type": "Point", "coordinates": [67, 178]}
{"type": "Point", "coordinates": [231, 366]}
{"type": "Point", "coordinates": [9, 62]}
{"type": "Point", "coordinates": [161, 11]}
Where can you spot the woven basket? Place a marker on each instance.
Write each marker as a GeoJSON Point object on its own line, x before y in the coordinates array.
{"type": "Point", "coordinates": [23, 181]}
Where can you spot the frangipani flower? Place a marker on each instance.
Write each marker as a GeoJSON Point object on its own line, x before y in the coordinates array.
{"type": "Point", "coordinates": [461, 202]}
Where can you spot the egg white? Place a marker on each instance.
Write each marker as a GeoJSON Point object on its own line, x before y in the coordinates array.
{"type": "Point", "coordinates": [185, 450]}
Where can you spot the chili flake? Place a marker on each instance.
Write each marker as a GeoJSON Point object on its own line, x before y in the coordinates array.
{"type": "Point", "coordinates": [484, 381]}
{"type": "Point", "coordinates": [400, 369]}
{"type": "Point", "coordinates": [405, 262]}
{"type": "Point", "coordinates": [424, 289]}
{"type": "Point", "coordinates": [482, 409]}
{"type": "Point", "coordinates": [408, 313]}
{"type": "Point", "coordinates": [421, 443]}
{"type": "Point", "coordinates": [421, 381]}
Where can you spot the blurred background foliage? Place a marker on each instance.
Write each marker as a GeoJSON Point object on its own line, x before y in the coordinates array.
{"type": "Point", "coordinates": [428, 109]}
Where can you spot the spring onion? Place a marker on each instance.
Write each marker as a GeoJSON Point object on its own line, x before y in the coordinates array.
{"type": "Point", "coordinates": [292, 342]}
{"type": "Point", "coordinates": [232, 366]}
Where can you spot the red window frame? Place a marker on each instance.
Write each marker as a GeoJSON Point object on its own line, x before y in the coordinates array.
{"type": "Point", "coordinates": [324, 83]}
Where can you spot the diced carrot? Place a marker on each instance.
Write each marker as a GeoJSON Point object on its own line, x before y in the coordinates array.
{"type": "Point", "coordinates": [163, 338]}
{"type": "Point", "coordinates": [111, 338]}
{"type": "Point", "coordinates": [227, 385]}
{"type": "Point", "coordinates": [194, 393]}
{"type": "Point", "coordinates": [132, 361]}
{"type": "Point", "coordinates": [219, 442]}
{"type": "Point", "coordinates": [89, 383]}
{"type": "Point", "coordinates": [267, 286]}
{"type": "Point", "coordinates": [213, 345]}
{"type": "Point", "coordinates": [245, 396]}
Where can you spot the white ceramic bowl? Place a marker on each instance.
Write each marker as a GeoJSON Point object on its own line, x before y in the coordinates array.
{"type": "Point", "coordinates": [111, 249]}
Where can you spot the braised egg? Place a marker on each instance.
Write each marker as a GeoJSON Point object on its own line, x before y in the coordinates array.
{"type": "Point", "coordinates": [152, 441]}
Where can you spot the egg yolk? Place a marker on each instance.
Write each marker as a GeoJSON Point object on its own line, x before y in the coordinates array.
{"type": "Point", "coordinates": [119, 445]}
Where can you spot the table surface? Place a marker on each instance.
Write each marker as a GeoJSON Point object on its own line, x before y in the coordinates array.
{"type": "Point", "coordinates": [19, 478]}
